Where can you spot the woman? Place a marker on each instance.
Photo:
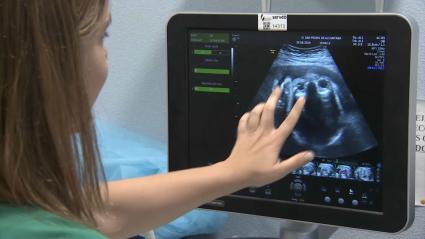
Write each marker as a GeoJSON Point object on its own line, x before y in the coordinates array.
{"type": "Point", "coordinates": [52, 67]}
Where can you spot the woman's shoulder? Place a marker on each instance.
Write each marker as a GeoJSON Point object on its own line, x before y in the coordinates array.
{"type": "Point", "coordinates": [33, 222]}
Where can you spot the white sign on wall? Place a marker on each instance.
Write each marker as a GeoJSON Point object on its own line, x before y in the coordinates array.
{"type": "Point", "coordinates": [420, 153]}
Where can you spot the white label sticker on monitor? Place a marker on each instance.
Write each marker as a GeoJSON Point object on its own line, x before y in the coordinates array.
{"type": "Point", "coordinates": [420, 153]}
{"type": "Point", "coordinates": [272, 22]}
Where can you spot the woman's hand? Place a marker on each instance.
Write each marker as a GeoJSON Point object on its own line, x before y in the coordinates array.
{"type": "Point", "coordinates": [254, 161]}
{"type": "Point", "coordinates": [255, 156]}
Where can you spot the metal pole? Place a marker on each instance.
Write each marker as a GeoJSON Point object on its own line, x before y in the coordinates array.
{"type": "Point", "coordinates": [379, 5]}
{"type": "Point", "coordinates": [266, 5]}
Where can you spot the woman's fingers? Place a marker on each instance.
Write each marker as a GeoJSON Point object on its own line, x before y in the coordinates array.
{"type": "Point", "coordinates": [291, 120]}
{"type": "Point", "coordinates": [255, 117]}
{"type": "Point", "coordinates": [258, 157]}
{"type": "Point", "coordinates": [243, 123]}
{"type": "Point", "coordinates": [267, 119]}
{"type": "Point", "coordinates": [294, 162]}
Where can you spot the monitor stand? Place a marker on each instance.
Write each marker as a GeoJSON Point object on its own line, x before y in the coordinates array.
{"type": "Point", "coordinates": [301, 230]}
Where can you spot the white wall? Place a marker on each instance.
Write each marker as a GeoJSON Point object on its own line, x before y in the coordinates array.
{"type": "Point", "coordinates": [135, 93]}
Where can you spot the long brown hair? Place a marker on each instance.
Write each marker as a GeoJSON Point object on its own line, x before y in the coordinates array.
{"type": "Point", "coordinates": [48, 151]}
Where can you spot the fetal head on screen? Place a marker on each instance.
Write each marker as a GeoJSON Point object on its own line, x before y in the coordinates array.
{"type": "Point", "coordinates": [331, 123]}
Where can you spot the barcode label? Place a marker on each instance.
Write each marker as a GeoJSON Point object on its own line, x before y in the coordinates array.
{"type": "Point", "coordinates": [266, 25]}
{"type": "Point", "coordinates": [272, 22]}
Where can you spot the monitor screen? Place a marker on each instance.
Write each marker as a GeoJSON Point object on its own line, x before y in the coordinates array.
{"type": "Point", "coordinates": [230, 71]}
{"type": "Point", "coordinates": [357, 74]}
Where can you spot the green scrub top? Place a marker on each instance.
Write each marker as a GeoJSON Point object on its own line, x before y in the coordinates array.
{"type": "Point", "coordinates": [22, 222]}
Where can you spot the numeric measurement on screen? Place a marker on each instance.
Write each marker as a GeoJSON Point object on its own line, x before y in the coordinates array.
{"type": "Point", "coordinates": [358, 40]}
{"type": "Point", "coordinates": [374, 48]}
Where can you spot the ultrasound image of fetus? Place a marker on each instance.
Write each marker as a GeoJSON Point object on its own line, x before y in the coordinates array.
{"type": "Point", "coordinates": [331, 123]}
{"type": "Point", "coordinates": [326, 170]}
{"type": "Point", "coordinates": [364, 174]}
{"type": "Point", "coordinates": [344, 172]}
{"type": "Point", "coordinates": [309, 169]}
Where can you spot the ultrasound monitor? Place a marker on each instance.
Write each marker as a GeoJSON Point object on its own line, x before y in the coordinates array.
{"type": "Point", "coordinates": [357, 73]}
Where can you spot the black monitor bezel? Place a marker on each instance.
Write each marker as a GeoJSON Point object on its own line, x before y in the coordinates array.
{"type": "Point", "coordinates": [395, 215]}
